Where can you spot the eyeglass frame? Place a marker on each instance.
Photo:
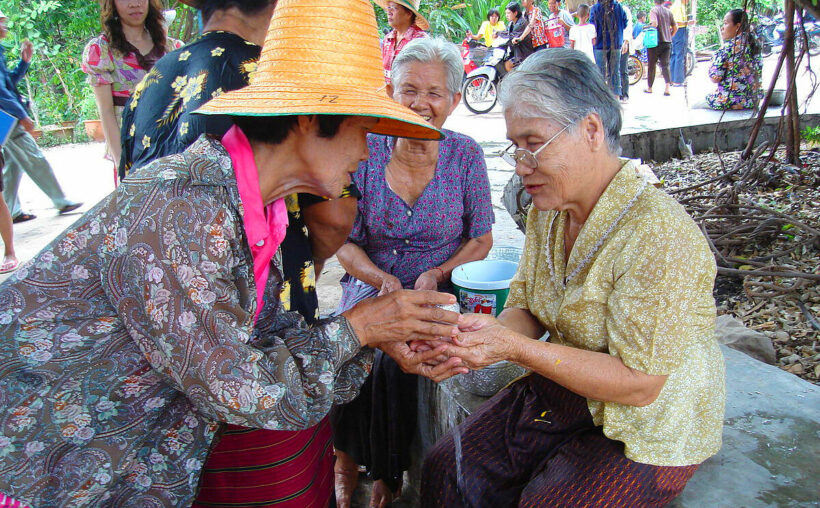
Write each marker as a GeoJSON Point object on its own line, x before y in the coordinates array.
{"type": "Point", "coordinates": [519, 154]}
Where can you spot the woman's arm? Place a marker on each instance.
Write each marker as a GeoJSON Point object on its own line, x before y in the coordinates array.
{"type": "Point", "coordinates": [357, 263]}
{"type": "Point", "coordinates": [105, 105]}
{"type": "Point", "coordinates": [598, 376]}
{"type": "Point", "coordinates": [472, 249]}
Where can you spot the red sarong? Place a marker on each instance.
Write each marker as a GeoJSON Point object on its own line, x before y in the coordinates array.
{"type": "Point", "coordinates": [255, 467]}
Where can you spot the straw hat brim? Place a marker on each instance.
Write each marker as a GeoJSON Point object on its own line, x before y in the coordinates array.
{"type": "Point", "coordinates": [283, 99]}
{"type": "Point", "coordinates": [421, 21]}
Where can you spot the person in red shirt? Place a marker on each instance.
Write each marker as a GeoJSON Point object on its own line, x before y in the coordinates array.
{"type": "Point", "coordinates": [535, 35]}
{"type": "Point", "coordinates": [407, 23]}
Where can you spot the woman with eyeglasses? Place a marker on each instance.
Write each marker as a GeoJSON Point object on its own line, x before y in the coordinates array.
{"type": "Point", "coordinates": [626, 397]}
{"type": "Point", "coordinates": [425, 209]}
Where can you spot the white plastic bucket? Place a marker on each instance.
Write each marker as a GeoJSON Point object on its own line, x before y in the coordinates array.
{"type": "Point", "coordinates": [482, 286]}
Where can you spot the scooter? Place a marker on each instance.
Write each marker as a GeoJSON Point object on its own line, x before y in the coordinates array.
{"type": "Point", "coordinates": [472, 55]}
{"type": "Point", "coordinates": [480, 89]}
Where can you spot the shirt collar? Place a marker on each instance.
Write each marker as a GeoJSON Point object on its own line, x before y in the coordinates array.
{"type": "Point", "coordinates": [257, 224]}
{"type": "Point", "coordinates": [611, 205]}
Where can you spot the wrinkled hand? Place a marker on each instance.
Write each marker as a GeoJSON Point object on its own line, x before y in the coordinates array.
{"type": "Point", "coordinates": [430, 363]}
{"type": "Point", "coordinates": [427, 280]}
{"type": "Point", "coordinates": [26, 50]}
{"type": "Point", "coordinates": [27, 124]}
{"type": "Point", "coordinates": [482, 341]}
{"type": "Point", "coordinates": [390, 283]}
{"type": "Point", "coordinates": [402, 316]}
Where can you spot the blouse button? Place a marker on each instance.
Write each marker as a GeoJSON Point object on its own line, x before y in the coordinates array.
{"type": "Point", "coordinates": [407, 242]}
{"type": "Point", "coordinates": [409, 213]}
{"type": "Point", "coordinates": [395, 252]}
{"type": "Point", "coordinates": [260, 243]}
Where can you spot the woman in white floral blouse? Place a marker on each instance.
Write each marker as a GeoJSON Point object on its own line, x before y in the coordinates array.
{"type": "Point", "coordinates": [626, 398]}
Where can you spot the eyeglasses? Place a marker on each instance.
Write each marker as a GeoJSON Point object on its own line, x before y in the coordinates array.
{"type": "Point", "coordinates": [525, 156]}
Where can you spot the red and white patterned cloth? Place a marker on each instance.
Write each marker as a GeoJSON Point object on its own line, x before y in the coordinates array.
{"type": "Point", "coordinates": [391, 47]}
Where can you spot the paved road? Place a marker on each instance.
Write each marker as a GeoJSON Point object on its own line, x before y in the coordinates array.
{"type": "Point", "coordinates": [87, 177]}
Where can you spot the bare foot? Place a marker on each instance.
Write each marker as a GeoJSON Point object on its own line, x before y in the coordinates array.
{"type": "Point", "coordinates": [382, 496]}
{"type": "Point", "coordinates": [346, 477]}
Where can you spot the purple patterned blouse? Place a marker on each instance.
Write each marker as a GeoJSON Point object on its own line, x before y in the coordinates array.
{"type": "Point", "coordinates": [406, 241]}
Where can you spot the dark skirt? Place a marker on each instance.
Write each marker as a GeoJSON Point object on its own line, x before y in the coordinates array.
{"type": "Point", "coordinates": [534, 444]}
{"type": "Point", "coordinates": [377, 427]}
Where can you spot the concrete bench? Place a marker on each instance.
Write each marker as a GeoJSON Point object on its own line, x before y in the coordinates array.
{"type": "Point", "coordinates": [771, 438]}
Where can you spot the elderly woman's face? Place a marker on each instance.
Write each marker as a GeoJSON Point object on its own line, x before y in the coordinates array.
{"type": "Point", "coordinates": [422, 87]}
{"type": "Point", "coordinates": [398, 16]}
{"type": "Point", "coordinates": [329, 162]}
{"type": "Point", "coordinates": [552, 183]}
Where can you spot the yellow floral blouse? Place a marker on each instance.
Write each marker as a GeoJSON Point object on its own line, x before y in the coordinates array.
{"type": "Point", "coordinates": [643, 295]}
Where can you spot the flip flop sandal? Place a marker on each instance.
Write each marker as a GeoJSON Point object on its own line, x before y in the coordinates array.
{"type": "Point", "coordinates": [23, 217]}
{"type": "Point", "coordinates": [9, 266]}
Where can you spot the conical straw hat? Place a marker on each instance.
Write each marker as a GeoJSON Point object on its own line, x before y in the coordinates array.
{"type": "Point", "coordinates": [322, 57]}
{"type": "Point", "coordinates": [413, 5]}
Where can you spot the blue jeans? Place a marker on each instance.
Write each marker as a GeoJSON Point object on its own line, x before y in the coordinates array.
{"type": "Point", "coordinates": [624, 75]}
{"type": "Point", "coordinates": [677, 63]}
{"type": "Point", "coordinates": [609, 63]}
{"type": "Point", "coordinates": [23, 155]}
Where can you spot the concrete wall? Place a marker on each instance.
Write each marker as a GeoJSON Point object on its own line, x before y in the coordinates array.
{"type": "Point", "coordinates": [662, 145]}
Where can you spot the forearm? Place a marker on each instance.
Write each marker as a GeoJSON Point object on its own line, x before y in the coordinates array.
{"type": "Point", "coordinates": [521, 321]}
{"type": "Point", "coordinates": [19, 72]}
{"type": "Point", "coordinates": [597, 376]}
{"type": "Point", "coordinates": [470, 250]}
{"type": "Point", "coordinates": [105, 106]}
{"type": "Point", "coordinates": [329, 224]}
{"type": "Point", "coordinates": [357, 263]}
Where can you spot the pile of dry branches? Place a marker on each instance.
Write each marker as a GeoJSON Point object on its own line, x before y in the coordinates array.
{"type": "Point", "coordinates": [761, 218]}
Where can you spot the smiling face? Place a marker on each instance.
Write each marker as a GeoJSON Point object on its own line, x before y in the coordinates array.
{"type": "Point", "coordinates": [553, 6]}
{"type": "Point", "coordinates": [132, 12]}
{"type": "Point", "coordinates": [493, 19]}
{"type": "Point", "coordinates": [422, 87]}
{"type": "Point", "coordinates": [330, 162]}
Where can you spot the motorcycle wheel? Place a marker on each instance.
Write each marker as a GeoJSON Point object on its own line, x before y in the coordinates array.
{"type": "Point", "coordinates": [479, 94]}
{"type": "Point", "coordinates": [634, 69]}
{"type": "Point", "coordinates": [689, 63]}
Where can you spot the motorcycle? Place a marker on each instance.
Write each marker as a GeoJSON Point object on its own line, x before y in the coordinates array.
{"type": "Point", "coordinates": [812, 34]}
{"type": "Point", "coordinates": [472, 55]}
{"type": "Point", "coordinates": [480, 88]}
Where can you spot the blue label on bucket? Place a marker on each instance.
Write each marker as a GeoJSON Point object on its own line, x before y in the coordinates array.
{"type": "Point", "coordinates": [477, 303]}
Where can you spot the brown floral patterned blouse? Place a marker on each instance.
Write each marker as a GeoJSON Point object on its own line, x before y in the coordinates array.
{"type": "Point", "coordinates": [129, 339]}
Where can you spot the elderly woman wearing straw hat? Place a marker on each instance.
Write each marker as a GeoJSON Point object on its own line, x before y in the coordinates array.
{"type": "Point", "coordinates": [425, 210]}
{"type": "Point", "coordinates": [155, 318]}
{"type": "Point", "coordinates": [626, 399]}
{"type": "Point", "coordinates": [407, 23]}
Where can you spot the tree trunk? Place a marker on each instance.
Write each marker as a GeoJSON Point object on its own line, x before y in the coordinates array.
{"type": "Point", "coordinates": [792, 112]}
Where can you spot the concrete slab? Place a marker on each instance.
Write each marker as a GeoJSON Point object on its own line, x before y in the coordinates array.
{"type": "Point", "coordinates": [771, 442]}
{"type": "Point", "coordinates": [771, 437]}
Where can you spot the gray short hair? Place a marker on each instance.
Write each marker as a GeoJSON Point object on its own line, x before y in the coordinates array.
{"type": "Point", "coordinates": [564, 86]}
{"type": "Point", "coordinates": [432, 49]}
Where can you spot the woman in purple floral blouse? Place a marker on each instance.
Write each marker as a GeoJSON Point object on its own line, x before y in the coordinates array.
{"type": "Point", "coordinates": [737, 66]}
{"type": "Point", "coordinates": [425, 209]}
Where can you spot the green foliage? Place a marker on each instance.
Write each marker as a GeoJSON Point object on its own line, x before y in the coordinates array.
{"type": "Point", "coordinates": [451, 20]}
{"type": "Point", "coordinates": [59, 31]}
{"type": "Point", "coordinates": [811, 135]}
